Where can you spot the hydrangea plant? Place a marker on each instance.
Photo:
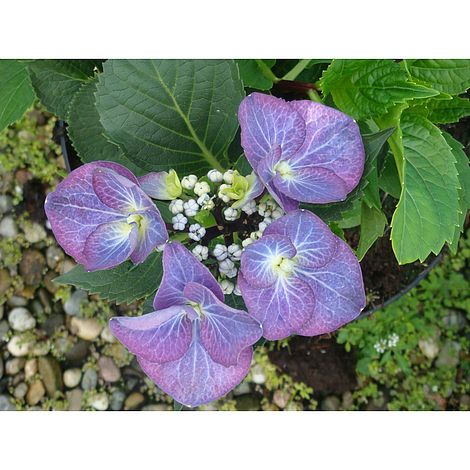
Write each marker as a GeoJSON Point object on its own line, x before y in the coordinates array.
{"type": "Point", "coordinates": [228, 236]}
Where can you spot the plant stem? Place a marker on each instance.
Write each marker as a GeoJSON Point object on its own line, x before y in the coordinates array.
{"type": "Point", "coordinates": [314, 96]}
{"type": "Point", "coordinates": [296, 70]}
{"type": "Point", "coordinates": [266, 71]}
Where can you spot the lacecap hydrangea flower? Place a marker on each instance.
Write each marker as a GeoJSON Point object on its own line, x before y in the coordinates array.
{"type": "Point", "coordinates": [302, 151]}
{"type": "Point", "coordinates": [300, 278]}
{"type": "Point", "coordinates": [101, 216]}
{"type": "Point", "coordinates": [193, 346]}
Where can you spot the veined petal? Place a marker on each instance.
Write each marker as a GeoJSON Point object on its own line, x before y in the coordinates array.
{"type": "Point", "coordinates": [332, 141]}
{"type": "Point", "coordinates": [118, 192]}
{"type": "Point", "coordinates": [196, 379]}
{"type": "Point", "coordinates": [225, 331]}
{"type": "Point", "coordinates": [314, 241]}
{"type": "Point", "coordinates": [151, 233]}
{"type": "Point", "coordinates": [339, 292]}
{"type": "Point", "coordinates": [260, 261]}
{"type": "Point", "coordinates": [282, 308]}
{"type": "Point", "coordinates": [315, 185]}
{"type": "Point", "coordinates": [160, 336]}
{"type": "Point", "coordinates": [180, 267]}
{"type": "Point", "coordinates": [161, 185]}
{"type": "Point", "coordinates": [266, 121]}
{"type": "Point", "coordinates": [109, 245]}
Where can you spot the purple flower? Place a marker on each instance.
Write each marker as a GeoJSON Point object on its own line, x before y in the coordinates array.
{"type": "Point", "coordinates": [101, 217]}
{"type": "Point", "coordinates": [193, 346]}
{"type": "Point", "coordinates": [300, 278]}
{"type": "Point", "coordinates": [301, 150]}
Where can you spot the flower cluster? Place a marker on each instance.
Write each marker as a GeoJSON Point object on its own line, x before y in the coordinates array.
{"type": "Point", "coordinates": [386, 343]}
{"type": "Point", "coordinates": [226, 235]}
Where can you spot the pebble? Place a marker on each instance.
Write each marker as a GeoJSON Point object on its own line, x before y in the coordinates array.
{"type": "Point", "coordinates": [51, 374]}
{"type": "Point", "coordinates": [41, 349]}
{"type": "Point", "coordinates": [31, 267]}
{"type": "Point", "coordinates": [8, 227]}
{"type": "Point", "coordinates": [34, 233]}
{"type": "Point", "coordinates": [107, 336]}
{"type": "Point", "coordinates": [155, 407]}
{"type": "Point", "coordinates": [74, 397]}
{"type": "Point", "coordinates": [241, 389]}
{"type": "Point", "coordinates": [455, 320]}
{"type": "Point", "coordinates": [4, 329]}
{"type": "Point", "coordinates": [1, 367]}
{"type": "Point", "coordinates": [117, 400]}
{"type": "Point", "coordinates": [6, 404]}
{"type": "Point", "coordinates": [6, 204]}
{"type": "Point", "coordinates": [72, 304]}
{"type": "Point", "coordinates": [53, 323]}
{"type": "Point", "coordinates": [13, 366]}
{"type": "Point", "coordinates": [54, 255]}
{"type": "Point", "coordinates": [85, 328]}
{"type": "Point", "coordinates": [257, 375]}
{"type": "Point", "coordinates": [20, 391]}
{"type": "Point", "coordinates": [30, 368]}
{"type": "Point", "coordinates": [78, 352]}
{"type": "Point", "coordinates": [89, 379]}
{"type": "Point", "coordinates": [330, 403]}
{"type": "Point", "coordinates": [35, 393]}
{"type": "Point", "coordinates": [449, 355]}
{"type": "Point", "coordinates": [5, 281]}
{"type": "Point", "coordinates": [17, 301]}
{"type": "Point", "coordinates": [67, 266]}
{"type": "Point", "coordinates": [72, 377]}
{"type": "Point", "coordinates": [48, 282]}
{"type": "Point", "coordinates": [109, 371]}
{"type": "Point", "coordinates": [281, 398]}
{"type": "Point", "coordinates": [429, 347]}
{"type": "Point", "coordinates": [18, 347]}
{"type": "Point", "coordinates": [348, 400]}
{"type": "Point", "coordinates": [133, 401]}
{"type": "Point", "coordinates": [2, 311]}
{"type": "Point", "coordinates": [100, 402]}
{"type": "Point", "coordinates": [21, 320]}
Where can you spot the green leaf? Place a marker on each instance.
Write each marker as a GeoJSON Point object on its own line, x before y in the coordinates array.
{"type": "Point", "coordinates": [389, 181]}
{"type": "Point", "coordinates": [125, 283]}
{"type": "Point", "coordinates": [368, 88]}
{"type": "Point", "coordinates": [446, 75]}
{"type": "Point", "coordinates": [16, 92]}
{"type": "Point", "coordinates": [463, 170]}
{"type": "Point", "coordinates": [164, 208]}
{"type": "Point", "coordinates": [205, 218]}
{"type": "Point", "coordinates": [256, 73]}
{"type": "Point", "coordinates": [179, 114]}
{"type": "Point", "coordinates": [373, 223]}
{"type": "Point", "coordinates": [373, 145]}
{"type": "Point", "coordinates": [426, 215]}
{"type": "Point", "coordinates": [448, 111]}
{"type": "Point", "coordinates": [243, 166]}
{"type": "Point", "coordinates": [87, 133]}
{"type": "Point", "coordinates": [57, 81]}
{"type": "Point", "coordinates": [235, 301]}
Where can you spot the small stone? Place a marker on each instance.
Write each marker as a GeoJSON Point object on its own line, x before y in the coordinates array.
{"type": "Point", "coordinates": [156, 407]}
{"type": "Point", "coordinates": [31, 267]}
{"type": "Point", "coordinates": [53, 323]}
{"type": "Point", "coordinates": [85, 328]}
{"type": "Point", "coordinates": [41, 348]}
{"type": "Point", "coordinates": [51, 374]}
{"type": "Point", "coordinates": [15, 365]}
{"type": "Point", "coordinates": [21, 320]}
{"type": "Point", "coordinates": [8, 227]}
{"type": "Point", "coordinates": [72, 377]}
{"type": "Point", "coordinates": [35, 393]}
{"type": "Point", "coordinates": [242, 389]}
{"type": "Point", "coordinates": [429, 347]}
{"type": "Point", "coordinates": [5, 281]}
{"type": "Point", "coordinates": [133, 401]}
{"type": "Point", "coordinates": [455, 320]}
{"type": "Point", "coordinates": [4, 329]}
{"type": "Point", "coordinates": [449, 355]}
{"type": "Point", "coordinates": [48, 282]}
{"type": "Point", "coordinates": [78, 352]}
{"type": "Point", "coordinates": [89, 379]}
{"type": "Point", "coordinates": [6, 403]}
{"type": "Point", "coordinates": [30, 368]}
{"type": "Point", "coordinates": [281, 398]}
{"type": "Point", "coordinates": [109, 372]}
{"type": "Point", "coordinates": [34, 232]}
{"type": "Point", "coordinates": [100, 402]}
{"type": "Point", "coordinates": [54, 255]}
{"type": "Point", "coordinates": [257, 375]}
{"type": "Point", "coordinates": [1, 367]}
{"type": "Point", "coordinates": [68, 265]}
{"type": "Point", "coordinates": [73, 303]}
{"type": "Point", "coordinates": [17, 301]}
{"type": "Point", "coordinates": [45, 300]}
{"type": "Point", "coordinates": [18, 347]}
{"type": "Point", "coordinates": [347, 401]}
{"type": "Point", "coordinates": [330, 403]}
{"type": "Point", "coordinates": [107, 336]}
{"type": "Point", "coordinates": [74, 398]}
{"type": "Point", "coordinates": [6, 204]}
{"type": "Point", "coordinates": [465, 401]}
{"type": "Point", "coordinates": [20, 391]}
{"type": "Point", "coordinates": [117, 400]}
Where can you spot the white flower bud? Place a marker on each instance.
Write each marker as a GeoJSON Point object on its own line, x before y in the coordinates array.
{"type": "Point", "coordinates": [227, 286]}
{"type": "Point", "coordinates": [196, 232]}
{"type": "Point", "coordinates": [202, 187]}
{"type": "Point", "coordinates": [231, 214]}
{"type": "Point", "coordinates": [176, 206]}
{"type": "Point", "coordinates": [226, 266]}
{"type": "Point", "coordinates": [246, 242]}
{"type": "Point", "coordinates": [249, 208]}
{"type": "Point", "coordinates": [189, 181]}
{"type": "Point", "coordinates": [222, 196]}
{"type": "Point", "coordinates": [237, 291]}
{"type": "Point", "coordinates": [264, 224]}
{"type": "Point", "coordinates": [234, 252]}
{"type": "Point", "coordinates": [201, 252]}
{"type": "Point", "coordinates": [264, 210]}
{"type": "Point", "coordinates": [231, 273]}
{"type": "Point", "coordinates": [220, 252]}
{"type": "Point", "coordinates": [228, 176]}
{"type": "Point", "coordinates": [256, 235]}
{"type": "Point", "coordinates": [179, 221]}
{"type": "Point", "coordinates": [276, 213]}
{"type": "Point", "coordinates": [191, 208]}
{"type": "Point", "coordinates": [215, 176]}
{"type": "Point", "coordinates": [206, 202]}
